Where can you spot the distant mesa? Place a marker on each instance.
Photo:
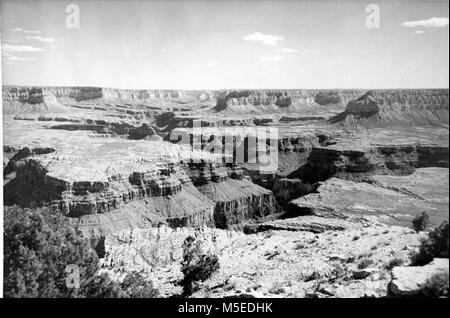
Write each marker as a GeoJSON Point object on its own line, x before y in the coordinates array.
{"type": "Point", "coordinates": [324, 99]}
{"type": "Point", "coordinates": [365, 106]}
{"type": "Point", "coordinates": [381, 107]}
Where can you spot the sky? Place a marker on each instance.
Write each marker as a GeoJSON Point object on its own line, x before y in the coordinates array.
{"type": "Point", "coordinates": [226, 44]}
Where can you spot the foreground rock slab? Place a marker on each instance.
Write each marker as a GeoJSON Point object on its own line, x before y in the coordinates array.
{"type": "Point", "coordinates": [411, 281]}
{"type": "Point", "coordinates": [266, 264]}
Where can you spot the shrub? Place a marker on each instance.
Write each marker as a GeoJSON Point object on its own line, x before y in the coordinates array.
{"type": "Point", "coordinates": [196, 265]}
{"type": "Point", "coordinates": [436, 286]}
{"type": "Point", "coordinates": [38, 246]}
{"type": "Point", "coordinates": [364, 263]}
{"type": "Point", "coordinates": [135, 286]}
{"type": "Point", "coordinates": [420, 222]}
{"type": "Point", "coordinates": [436, 245]}
{"type": "Point", "coordinates": [393, 263]}
{"type": "Point", "coordinates": [99, 286]}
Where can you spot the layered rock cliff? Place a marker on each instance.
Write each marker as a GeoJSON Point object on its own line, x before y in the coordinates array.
{"type": "Point", "coordinates": [100, 181]}
{"type": "Point", "coordinates": [61, 99]}
{"type": "Point", "coordinates": [325, 162]}
{"type": "Point", "coordinates": [383, 107]}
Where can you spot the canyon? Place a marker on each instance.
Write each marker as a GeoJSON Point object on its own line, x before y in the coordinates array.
{"type": "Point", "coordinates": [131, 171]}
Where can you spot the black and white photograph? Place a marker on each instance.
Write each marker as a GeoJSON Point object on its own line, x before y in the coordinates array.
{"type": "Point", "coordinates": [222, 150]}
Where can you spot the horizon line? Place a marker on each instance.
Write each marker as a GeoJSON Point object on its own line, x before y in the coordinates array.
{"type": "Point", "coordinates": [218, 89]}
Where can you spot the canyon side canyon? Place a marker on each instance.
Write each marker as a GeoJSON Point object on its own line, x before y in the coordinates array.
{"type": "Point", "coordinates": [128, 169]}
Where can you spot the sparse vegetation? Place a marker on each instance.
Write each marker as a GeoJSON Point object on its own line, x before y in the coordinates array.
{"type": "Point", "coordinates": [420, 222]}
{"type": "Point", "coordinates": [436, 245]}
{"type": "Point", "coordinates": [299, 246]}
{"type": "Point", "coordinates": [436, 286]}
{"type": "Point", "coordinates": [38, 246]}
{"type": "Point", "coordinates": [355, 238]}
{"type": "Point", "coordinates": [338, 272]}
{"type": "Point", "coordinates": [136, 286]}
{"type": "Point", "coordinates": [364, 263]}
{"type": "Point", "coordinates": [313, 276]}
{"type": "Point", "coordinates": [350, 259]}
{"type": "Point", "coordinates": [196, 265]}
{"type": "Point", "coordinates": [393, 263]}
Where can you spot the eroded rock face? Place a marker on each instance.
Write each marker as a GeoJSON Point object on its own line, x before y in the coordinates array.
{"type": "Point", "coordinates": [237, 201]}
{"type": "Point", "coordinates": [355, 164]}
{"type": "Point", "coordinates": [143, 132]}
{"type": "Point", "coordinates": [377, 108]}
{"type": "Point", "coordinates": [287, 189]}
{"type": "Point", "coordinates": [158, 182]}
{"type": "Point", "coordinates": [393, 199]}
{"type": "Point", "coordinates": [410, 281]}
{"type": "Point", "coordinates": [365, 106]}
{"type": "Point", "coordinates": [279, 100]}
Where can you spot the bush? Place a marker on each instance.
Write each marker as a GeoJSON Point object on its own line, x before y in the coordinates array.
{"type": "Point", "coordinates": [436, 286]}
{"type": "Point", "coordinates": [38, 246]}
{"type": "Point", "coordinates": [364, 263]}
{"type": "Point", "coordinates": [393, 263]}
{"type": "Point", "coordinates": [135, 286]}
{"type": "Point", "coordinates": [420, 222]}
{"type": "Point", "coordinates": [196, 265]}
{"type": "Point", "coordinates": [435, 246]}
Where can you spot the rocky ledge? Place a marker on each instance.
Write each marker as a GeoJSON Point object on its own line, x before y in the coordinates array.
{"type": "Point", "coordinates": [98, 180]}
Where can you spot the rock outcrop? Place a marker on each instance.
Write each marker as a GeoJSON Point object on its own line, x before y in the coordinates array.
{"type": "Point", "coordinates": [391, 199]}
{"type": "Point", "coordinates": [270, 264]}
{"type": "Point", "coordinates": [382, 107]}
{"type": "Point", "coordinates": [410, 281]}
{"type": "Point", "coordinates": [356, 164]}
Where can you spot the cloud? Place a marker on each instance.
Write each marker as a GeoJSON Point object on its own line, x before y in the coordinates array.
{"type": "Point", "coordinates": [32, 31]}
{"type": "Point", "coordinates": [16, 58]}
{"type": "Point", "coordinates": [209, 64]}
{"type": "Point", "coordinates": [288, 50]}
{"type": "Point", "coordinates": [309, 51]}
{"type": "Point", "coordinates": [420, 31]}
{"type": "Point", "coordinates": [429, 23]}
{"type": "Point", "coordinates": [273, 58]}
{"type": "Point", "coordinates": [39, 38]}
{"type": "Point", "coordinates": [263, 38]}
{"type": "Point", "coordinates": [20, 48]}
{"type": "Point", "coordinates": [26, 31]}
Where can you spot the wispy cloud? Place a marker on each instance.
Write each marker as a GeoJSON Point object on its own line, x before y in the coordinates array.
{"type": "Point", "coordinates": [428, 23]}
{"type": "Point", "coordinates": [273, 58]}
{"type": "Point", "coordinates": [39, 38]}
{"type": "Point", "coordinates": [420, 31]}
{"type": "Point", "coordinates": [17, 58]}
{"type": "Point", "coordinates": [26, 31]}
{"type": "Point", "coordinates": [210, 64]}
{"type": "Point", "coordinates": [32, 31]}
{"type": "Point", "coordinates": [310, 51]}
{"type": "Point", "coordinates": [20, 48]}
{"type": "Point", "coordinates": [288, 50]}
{"type": "Point", "coordinates": [290, 54]}
{"type": "Point", "coordinates": [264, 38]}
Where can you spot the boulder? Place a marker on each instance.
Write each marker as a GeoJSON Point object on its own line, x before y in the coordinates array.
{"type": "Point", "coordinates": [364, 273]}
{"type": "Point", "coordinates": [411, 280]}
